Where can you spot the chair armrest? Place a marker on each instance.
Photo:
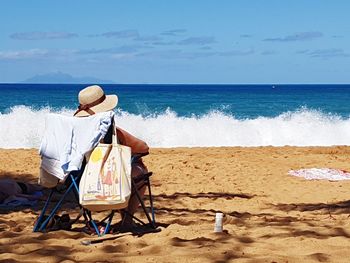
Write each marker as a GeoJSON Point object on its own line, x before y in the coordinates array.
{"type": "Point", "coordinates": [142, 177]}
{"type": "Point", "coordinates": [137, 156]}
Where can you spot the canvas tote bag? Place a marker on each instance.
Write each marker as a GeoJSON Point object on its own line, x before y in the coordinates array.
{"type": "Point", "coordinates": [106, 180]}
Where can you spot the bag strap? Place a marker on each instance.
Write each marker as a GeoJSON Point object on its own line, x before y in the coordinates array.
{"type": "Point", "coordinates": [114, 135]}
{"type": "Point", "coordinates": [105, 157]}
{"type": "Point", "coordinates": [111, 136]}
{"type": "Point", "coordinates": [110, 146]}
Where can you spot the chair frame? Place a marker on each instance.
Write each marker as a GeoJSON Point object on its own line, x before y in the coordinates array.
{"type": "Point", "coordinates": [73, 179]}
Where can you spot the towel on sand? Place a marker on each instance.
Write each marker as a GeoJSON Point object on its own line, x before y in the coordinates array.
{"type": "Point", "coordinates": [15, 201]}
{"type": "Point", "coordinates": [321, 174]}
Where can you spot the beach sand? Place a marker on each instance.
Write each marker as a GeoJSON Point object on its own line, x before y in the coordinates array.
{"type": "Point", "coordinates": [270, 216]}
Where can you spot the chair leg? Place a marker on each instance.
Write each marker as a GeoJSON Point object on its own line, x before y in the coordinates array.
{"type": "Point", "coordinates": [143, 204]}
{"type": "Point", "coordinates": [110, 218]}
{"type": "Point", "coordinates": [76, 195]}
{"type": "Point", "coordinates": [41, 216]}
{"type": "Point", "coordinates": [94, 225]}
{"type": "Point", "coordinates": [151, 204]}
{"type": "Point", "coordinates": [40, 226]}
{"type": "Point", "coordinates": [87, 215]}
{"type": "Point", "coordinates": [53, 212]}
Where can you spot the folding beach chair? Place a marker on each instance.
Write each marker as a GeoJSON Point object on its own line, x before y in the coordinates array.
{"type": "Point", "coordinates": [47, 220]}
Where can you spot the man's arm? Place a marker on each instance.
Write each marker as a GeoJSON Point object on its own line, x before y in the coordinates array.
{"type": "Point", "coordinates": [136, 145]}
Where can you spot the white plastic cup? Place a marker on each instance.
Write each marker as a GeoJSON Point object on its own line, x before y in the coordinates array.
{"type": "Point", "coordinates": [218, 222]}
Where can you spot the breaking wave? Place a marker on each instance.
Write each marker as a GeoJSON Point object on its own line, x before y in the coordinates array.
{"type": "Point", "coordinates": [22, 127]}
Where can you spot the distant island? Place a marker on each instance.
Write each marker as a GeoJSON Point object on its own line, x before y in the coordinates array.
{"type": "Point", "coordinates": [64, 78]}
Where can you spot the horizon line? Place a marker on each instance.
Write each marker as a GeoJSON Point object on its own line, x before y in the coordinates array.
{"type": "Point", "coordinates": [173, 84]}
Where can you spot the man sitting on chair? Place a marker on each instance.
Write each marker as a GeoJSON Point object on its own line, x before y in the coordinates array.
{"type": "Point", "coordinates": [93, 100]}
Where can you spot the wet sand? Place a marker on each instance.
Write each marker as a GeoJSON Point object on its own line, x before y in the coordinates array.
{"type": "Point", "coordinates": [270, 216]}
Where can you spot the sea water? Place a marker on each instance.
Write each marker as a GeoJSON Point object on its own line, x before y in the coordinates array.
{"type": "Point", "coordinates": [191, 115]}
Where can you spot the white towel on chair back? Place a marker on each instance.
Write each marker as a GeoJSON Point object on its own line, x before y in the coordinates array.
{"type": "Point", "coordinates": [67, 139]}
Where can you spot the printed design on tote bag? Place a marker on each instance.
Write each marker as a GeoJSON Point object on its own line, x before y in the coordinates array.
{"type": "Point", "coordinates": [103, 161]}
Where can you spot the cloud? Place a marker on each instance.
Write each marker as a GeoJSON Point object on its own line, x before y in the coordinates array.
{"type": "Point", "coordinates": [163, 43]}
{"type": "Point", "coordinates": [206, 48]}
{"type": "Point", "coordinates": [43, 35]}
{"type": "Point", "coordinates": [120, 34]}
{"type": "Point", "coordinates": [180, 54]}
{"type": "Point", "coordinates": [128, 34]}
{"type": "Point", "coordinates": [268, 52]}
{"type": "Point", "coordinates": [245, 36]}
{"type": "Point", "coordinates": [325, 53]}
{"type": "Point", "coordinates": [197, 41]}
{"type": "Point", "coordinates": [234, 53]}
{"type": "Point", "coordinates": [147, 38]}
{"type": "Point", "coordinates": [174, 32]}
{"type": "Point", "coordinates": [23, 54]}
{"type": "Point", "coordinates": [176, 54]}
{"type": "Point", "coordinates": [303, 36]}
{"type": "Point", "coordinates": [58, 54]}
{"type": "Point", "coordinates": [115, 50]}
{"type": "Point", "coordinates": [122, 49]}
{"type": "Point", "coordinates": [304, 51]}
{"type": "Point", "coordinates": [121, 52]}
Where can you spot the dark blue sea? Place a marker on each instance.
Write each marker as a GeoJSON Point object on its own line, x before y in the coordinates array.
{"type": "Point", "coordinates": [192, 115]}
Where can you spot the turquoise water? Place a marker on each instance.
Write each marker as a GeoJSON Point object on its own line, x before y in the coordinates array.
{"type": "Point", "coordinates": [241, 101]}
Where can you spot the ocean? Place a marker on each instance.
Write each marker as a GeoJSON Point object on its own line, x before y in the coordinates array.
{"type": "Point", "coordinates": [168, 116]}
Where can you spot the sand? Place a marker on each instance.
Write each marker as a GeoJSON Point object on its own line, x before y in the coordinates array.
{"type": "Point", "coordinates": [270, 216]}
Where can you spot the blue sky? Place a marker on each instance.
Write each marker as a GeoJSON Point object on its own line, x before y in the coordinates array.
{"type": "Point", "coordinates": [193, 41]}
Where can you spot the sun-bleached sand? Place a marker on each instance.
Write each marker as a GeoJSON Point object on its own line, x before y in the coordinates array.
{"type": "Point", "coordinates": [270, 216]}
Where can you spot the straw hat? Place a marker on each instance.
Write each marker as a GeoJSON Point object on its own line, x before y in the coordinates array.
{"type": "Point", "coordinates": [92, 100]}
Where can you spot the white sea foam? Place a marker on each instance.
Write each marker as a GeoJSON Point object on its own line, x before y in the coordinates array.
{"type": "Point", "coordinates": [22, 127]}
